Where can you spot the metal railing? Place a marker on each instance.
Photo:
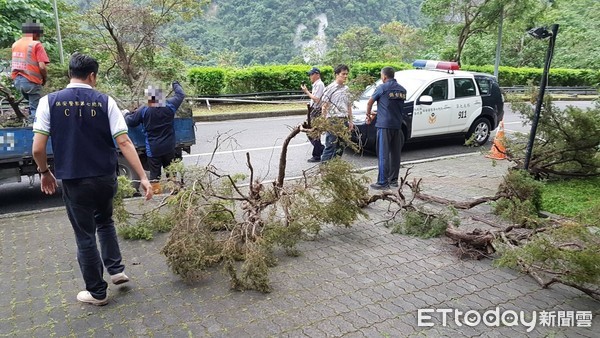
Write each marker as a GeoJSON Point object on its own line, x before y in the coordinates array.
{"type": "Point", "coordinates": [571, 91]}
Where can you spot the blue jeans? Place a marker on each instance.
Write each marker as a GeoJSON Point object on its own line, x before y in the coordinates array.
{"type": "Point", "coordinates": [31, 92]}
{"type": "Point", "coordinates": [333, 147]}
{"type": "Point", "coordinates": [89, 203]}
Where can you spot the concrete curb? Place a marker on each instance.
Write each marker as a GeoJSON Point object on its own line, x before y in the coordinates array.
{"type": "Point", "coordinates": [249, 115]}
{"type": "Point", "coordinates": [365, 169]}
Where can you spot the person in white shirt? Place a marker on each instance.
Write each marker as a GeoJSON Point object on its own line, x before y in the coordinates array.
{"type": "Point", "coordinates": [314, 109]}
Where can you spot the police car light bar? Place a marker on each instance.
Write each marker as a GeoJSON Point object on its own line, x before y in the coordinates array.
{"type": "Point", "coordinates": [433, 64]}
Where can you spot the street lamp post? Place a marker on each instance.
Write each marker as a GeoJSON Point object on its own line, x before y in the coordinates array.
{"type": "Point", "coordinates": [540, 33]}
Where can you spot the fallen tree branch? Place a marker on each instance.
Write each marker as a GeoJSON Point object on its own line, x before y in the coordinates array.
{"type": "Point", "coordinates": [458, 205]}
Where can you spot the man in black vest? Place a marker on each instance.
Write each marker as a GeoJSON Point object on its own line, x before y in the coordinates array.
{"type": "Point", "coordinates": [83, 125]}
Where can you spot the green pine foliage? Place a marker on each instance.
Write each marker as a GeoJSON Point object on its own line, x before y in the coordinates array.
{"type": "Point", "coordinates": [219, 223]}
{"type": "Point", "coordinates": [567, 141]}
{"type": "Point", "coordinates": [523, 199]}
{"type": "Point", "coordinates": [570, 253]}
{"type": "Point", "coordinates": [421, 224]}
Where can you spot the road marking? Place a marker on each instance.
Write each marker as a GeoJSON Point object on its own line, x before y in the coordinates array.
{"type": "Point", "coordinates": [245, 150]}
{"type": "Point", "coordinates": [273, 118]}
{"type": "Point", "coordinates": [368, 168]}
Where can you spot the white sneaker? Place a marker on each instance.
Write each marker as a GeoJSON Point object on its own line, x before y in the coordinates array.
{"type": "Point", "coordinates": [86, 297]}
{"type": "Point", "coordinates": [119, 278]}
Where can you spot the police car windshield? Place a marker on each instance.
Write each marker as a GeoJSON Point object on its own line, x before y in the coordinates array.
{"type": "Point", "coordinates": [411, 85]}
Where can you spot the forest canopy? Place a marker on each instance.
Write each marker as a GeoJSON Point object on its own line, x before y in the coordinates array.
{"type": "Point", "coordinates": [264, 32]}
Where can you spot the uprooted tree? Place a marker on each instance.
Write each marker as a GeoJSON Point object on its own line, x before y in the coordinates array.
{"type": "Point", "coordinates": [550, 250]}
{"type": "Point", "coordinates": [217, 221]}
{"type": "Point", "coordinates": [567, 142]}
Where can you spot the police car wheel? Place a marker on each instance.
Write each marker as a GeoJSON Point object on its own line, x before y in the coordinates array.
{"type": "Point", "coordinates": [480, 131]}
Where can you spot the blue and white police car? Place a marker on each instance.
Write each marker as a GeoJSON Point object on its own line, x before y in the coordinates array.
{"type": "Point", "coordinates": [441, 101]}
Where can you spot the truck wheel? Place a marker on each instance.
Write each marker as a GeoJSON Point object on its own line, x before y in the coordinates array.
{"type": "Point", "coordinates": [124, 169]}
{"type": "Point", "coordinates": [480, 131]}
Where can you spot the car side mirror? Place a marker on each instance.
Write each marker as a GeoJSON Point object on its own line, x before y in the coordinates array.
{"type": "Point", "coordinates": [425, 99]}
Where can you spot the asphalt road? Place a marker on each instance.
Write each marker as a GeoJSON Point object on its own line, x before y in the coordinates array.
{"type": "Point", "coordinates": [262, 138]}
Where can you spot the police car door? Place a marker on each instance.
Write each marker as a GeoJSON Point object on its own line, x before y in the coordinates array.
{"type": "Point", "coordinates": [466, 105]}
{"type": "Point", "coordinates": [433, 119]}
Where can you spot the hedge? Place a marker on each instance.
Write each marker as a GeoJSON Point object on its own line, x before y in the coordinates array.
{"type": "Point", "coordinates": [511, 76]}
{"type": "Point", "coordinates": [214, 81]}
{"type": "Point", "coordinates": [207, 80]}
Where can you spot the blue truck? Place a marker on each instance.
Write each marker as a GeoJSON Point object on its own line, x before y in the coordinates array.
{"type": "Point", "coordinates": [16, 159]}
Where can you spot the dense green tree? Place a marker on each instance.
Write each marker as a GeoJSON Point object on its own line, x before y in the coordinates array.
{"type": "Point", "coordinates": [357, 44]}
{"type": "Point", "coordinates": [463, 19]}
{"type": "Point", "coordinates": [15, 12]}
{"type": "Point", "coordinates": [129, 31]}
{"type": "Point", "coordinates": [402, 42]}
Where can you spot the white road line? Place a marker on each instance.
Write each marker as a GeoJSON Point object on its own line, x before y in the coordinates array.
{"type": "Point", "coordinates": [273, 118]}
{"type": "Point", "coordinates": [431, 159]}
{"type": "Point", "coordinates": [245, 150]}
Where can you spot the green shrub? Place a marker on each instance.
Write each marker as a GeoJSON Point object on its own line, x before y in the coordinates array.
{"type": "Point", "coordinates": [207, 80]}
{"type": "Point", "coordinates": [511, 76]}
{"type": "Point", "coordinates": [213, 80]}
{"type": "Point", "coordinates": [270, 78]}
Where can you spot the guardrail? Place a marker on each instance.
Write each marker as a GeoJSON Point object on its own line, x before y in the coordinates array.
{"type": "Point", "coordinates": [273, 97]}
{"type": "Point", "coordinates": [572, 91]}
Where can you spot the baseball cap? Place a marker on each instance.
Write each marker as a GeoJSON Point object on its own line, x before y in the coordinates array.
{"type": "Point", "coordinates": [314, 70]}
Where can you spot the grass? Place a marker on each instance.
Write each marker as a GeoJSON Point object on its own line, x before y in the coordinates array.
{"type": "Point", "coordinates": [573, 198]}
{"type": "Point", "coordinates": [246, 108]}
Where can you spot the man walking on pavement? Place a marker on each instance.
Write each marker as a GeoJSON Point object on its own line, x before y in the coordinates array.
{"type": "Point", "coordinates": [157, 118]}
{"type": "Point", "coordinates": [314, 109]}
{"type": "Point", "coordinates": [83, 125]}
{"type": "Point", "coordinates": [337, 108]}
{"type": "Point", "coordinates": [390, 98]}
{"type": "Point", "coordinates": [28, 65]}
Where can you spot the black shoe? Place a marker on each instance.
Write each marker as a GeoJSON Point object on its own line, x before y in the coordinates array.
{"type": "Point", "coordinates": [378, 186]}
{"type": "Point", "coordinates": [314, 160]}
{"type": "Point", "coordinates": [394, 184]}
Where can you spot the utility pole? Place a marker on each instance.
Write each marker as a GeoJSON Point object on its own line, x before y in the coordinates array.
{"type": "Point", "coordinates": [60, 47]}
{"type": "Point", "coordinates": [499, 44]}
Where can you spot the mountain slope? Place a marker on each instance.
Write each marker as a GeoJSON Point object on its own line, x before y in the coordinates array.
{"type": "Point", "coordinates": [275, 31]}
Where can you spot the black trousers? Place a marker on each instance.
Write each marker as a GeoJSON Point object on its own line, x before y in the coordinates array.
{"type": "Point", "coordinates": [389, 145]}
{"type": "Point", "coordinates": [89, 203]}
{"type": "Point", "coordinates": [156, 163]}
{"type": "Point", "coordinates": [317, 147]}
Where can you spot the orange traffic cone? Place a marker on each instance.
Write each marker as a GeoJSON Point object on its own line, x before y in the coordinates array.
{"type": "Point", "coordinates": [498, 151]}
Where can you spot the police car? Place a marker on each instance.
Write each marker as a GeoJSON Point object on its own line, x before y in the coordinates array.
{"type": "Point", "coordinates": [441, 101]}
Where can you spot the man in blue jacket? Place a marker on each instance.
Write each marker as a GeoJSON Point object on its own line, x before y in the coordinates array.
{"type": "Point", "coordinates": [157, 119]}
{"type": "Point", "coordinates": [390, 98]}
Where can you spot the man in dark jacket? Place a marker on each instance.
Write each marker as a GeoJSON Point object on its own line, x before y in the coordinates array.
{"type": "Point", "coordinates": [157, 119]}
{"type": "Point", "coordinates": [390, 98]}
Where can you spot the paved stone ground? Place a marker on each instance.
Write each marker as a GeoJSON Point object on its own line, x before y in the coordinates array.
{"type": "Point", "coordinates": [360, 281]}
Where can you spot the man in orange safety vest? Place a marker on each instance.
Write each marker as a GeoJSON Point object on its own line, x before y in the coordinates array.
{"type": "Point", "coordinates": [29, 61]}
